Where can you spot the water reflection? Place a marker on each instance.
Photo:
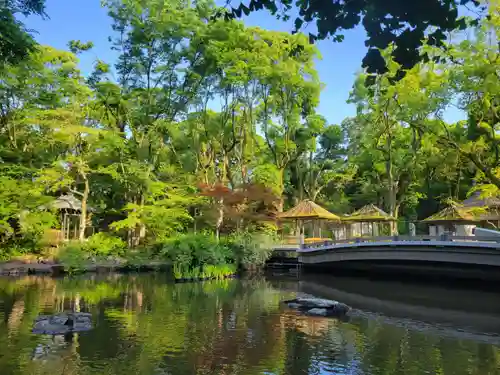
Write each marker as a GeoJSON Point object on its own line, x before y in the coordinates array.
{"type": "Point", "coordinates": [144, 325]}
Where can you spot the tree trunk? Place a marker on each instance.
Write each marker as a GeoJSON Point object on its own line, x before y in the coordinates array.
{"type": "Point", "coordinates": [220, 217]}
{"type": "Point", "coordinates": [83, 214]}
{"type": "Point", "coordinates": [457, 183]}
{"type": "Point", "coordinates": [134, 233]}
{"type": "Point", "coordinates": [391, 188]}
{"type": "Point", "coordinates": [281, 202]}
{"type": "Point", "coordinates": [142, 227]}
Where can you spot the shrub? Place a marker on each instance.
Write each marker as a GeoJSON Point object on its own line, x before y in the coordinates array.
{"type": "Point", "coordinates": [246, 250]}
{"type": "Point", "coordinates": [73, 256]}
{"type": "Point", "coordinates": [250, 249]}
{"type": "Point", "coordinates": [15, 250]}
{"type": "Point", "coordinates": [137, 258]}
{"type": "Point", "coordinates": [195, 250]}
{"type": "Point", "coordinates": [105, 244]}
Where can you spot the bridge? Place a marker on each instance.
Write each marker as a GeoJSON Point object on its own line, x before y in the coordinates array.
{"type": "Point", "coordinates": [473, 250]}
{"type": "Point", "coordinates": [470, 250]}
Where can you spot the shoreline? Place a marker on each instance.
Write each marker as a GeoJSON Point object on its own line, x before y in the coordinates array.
{"type": "Point", "coordinates": [18, 268]}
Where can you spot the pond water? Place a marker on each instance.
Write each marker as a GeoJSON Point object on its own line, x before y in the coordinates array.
{"type": "Point", "coordinates": [145, 325]}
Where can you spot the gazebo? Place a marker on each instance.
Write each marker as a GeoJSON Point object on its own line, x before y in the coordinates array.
{"type": "Point", "coordinates": [461, 219]}
{"type": "Point", "coordinates": [454, 220]}
{"type": "Point", "coordinates": [69, 208]}
{"type": "Point", "coordinates": [309, 212]}
{"type": "Point", "coordinates": [487, 210]}
{"type": "Point", "coordinates": [367, 221]}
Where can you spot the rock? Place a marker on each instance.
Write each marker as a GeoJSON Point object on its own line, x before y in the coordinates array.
{"type": "Point", "coordinates": [317, 312]}
{"type": "Point", "coordinates": [318, 306]}
{"type": "Point", "coordinates": [63, 323]}
{"type": "Point", "coordinates": [61, 319]}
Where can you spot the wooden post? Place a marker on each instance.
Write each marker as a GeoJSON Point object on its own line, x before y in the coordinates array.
{"type": "Point", "coordinates": [77, 227]}
{"type": "Point", "coordinates": [67, 226]}
{"type": "Point", "coordinates": [62, 225]}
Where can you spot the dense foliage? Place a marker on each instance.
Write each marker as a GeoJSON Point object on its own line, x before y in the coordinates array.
{"type": "Point", "coordinates": [402, 24]}
{"type": "Point", "coordinates": [15, 41]}
{"type": "Point", "coordinates": [205, 125]}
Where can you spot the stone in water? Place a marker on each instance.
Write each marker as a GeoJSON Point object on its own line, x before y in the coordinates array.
{"type": "Point", "coordinates": [318, 306]}
{"type": "Point", "coordinates": [63, 323]}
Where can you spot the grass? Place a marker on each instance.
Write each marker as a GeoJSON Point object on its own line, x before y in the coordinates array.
{"type": "Point", "coordinates": [215, 272]}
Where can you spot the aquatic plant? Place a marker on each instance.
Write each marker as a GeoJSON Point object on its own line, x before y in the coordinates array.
{"type": "Point", "coordinates": [208, 271]}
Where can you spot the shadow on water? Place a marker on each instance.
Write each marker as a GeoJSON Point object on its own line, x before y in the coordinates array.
{"type": "Point", "coordinates": [146, 326]}
{"type": "Point", "coordinates": [443, 310]}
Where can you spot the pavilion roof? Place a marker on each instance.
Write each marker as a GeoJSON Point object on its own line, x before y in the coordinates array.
{"type": "Point", "coordinates": [475, 200]}
{"type": "Point", "coordinates": [474, 208]}
{"type": "Point", "coordinates": [66, 202]}
{"type": "Point", "coordinates": [451, 214]}
{"type": "Point", "coordinates": [307, 209]}
{"type": "Point", "coordinates": [367, 213]}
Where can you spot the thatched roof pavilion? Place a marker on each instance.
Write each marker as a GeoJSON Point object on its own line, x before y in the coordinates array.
{"type": "Point", "coordinates": [369, 213]}
{"type": "Point", "coordinates": [485, 209]}
{"type": "Point", "coordinates": [307, 209]}
{"type": "Point", "coordinates": [475, 200]}
{"type": "Point", "coordinates": [461, 218]}
{"type": "Point", "coordinates": [67, 202]}
{"type": "Point", "coordinates": [452, 214]}
{"type": "Point", "coordinates": [473, 210]}
{"type": "Point", "coordinates": [69, 208]}
{"type": "Point", "coordinates": [369, 220]}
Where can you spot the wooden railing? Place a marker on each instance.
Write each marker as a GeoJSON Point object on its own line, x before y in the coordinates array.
{"type": "Point", "coordinates": [447, 238]}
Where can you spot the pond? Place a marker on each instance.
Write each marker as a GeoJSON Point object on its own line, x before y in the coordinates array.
{"type": "Point", "coordinates": [144, 325]}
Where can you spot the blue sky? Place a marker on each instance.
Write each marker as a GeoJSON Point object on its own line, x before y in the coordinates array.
{"type": "Point", "coordinates": [86, 20]}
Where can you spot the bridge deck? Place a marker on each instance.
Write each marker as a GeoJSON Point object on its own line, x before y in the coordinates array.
{"type": "Point", "coordinates": [466, 250]}
{"type": "Point", "coordinates": [401, 243]}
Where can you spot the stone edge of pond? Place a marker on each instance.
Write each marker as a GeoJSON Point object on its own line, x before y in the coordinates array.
{"type": "Point", "coordinates": [17, 268]}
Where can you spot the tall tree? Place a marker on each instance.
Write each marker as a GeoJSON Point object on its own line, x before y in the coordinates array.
{"type": "Point", "coordinates": [400, 24]}
{"type": "Point", "coordinates": [16, 43]}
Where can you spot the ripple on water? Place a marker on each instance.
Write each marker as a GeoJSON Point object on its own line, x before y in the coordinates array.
{"type": "Point", "coordinates": [145, 326]}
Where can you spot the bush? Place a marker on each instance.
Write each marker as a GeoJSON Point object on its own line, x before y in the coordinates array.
{"type": "Point", "coordinates": [250, 249]}
{"type": "Point", "coordinates": [189, 251]}
{"type": "Point", "coordinates": [195, 250]}
{"type": "Point", "coordinates": [73, 256]}
{"type": "Point", "coordinates": [137, 258]}
{"type": "Point", "coordinates": [14, 250]}
{"type": "Point", "coordinates": [103, 244]}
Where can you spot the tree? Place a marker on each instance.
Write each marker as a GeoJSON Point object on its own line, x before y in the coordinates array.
{"type": "Point", "coordinates": [16, 42]}
{"type": "Point", "coordinates": [475, 80]}
{"type": "Point", "coordinates": [386, 141]}
{"type": "Point", "coordinates": [160, 69]}
{"type": "Point", "coordinates": [39, 105]}
{"type": "Point", "coordinates": [466, 76]}
{"type": "Point", "coordinates": [48, 79]}
{"type": "Point", "coordinates": [289, 89]}
{"type": "Point", "coordinates": [200, 114]}
{"type": "Point", "coordinates": [73, 170]}
{"type": "Point", "coordinates": [325, 164]}
{"type": "Point", "coordinates": [246, 208]}
{"type": "Point", "coordinates": [387, 23]}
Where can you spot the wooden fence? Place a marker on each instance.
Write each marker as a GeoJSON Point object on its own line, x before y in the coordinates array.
{"type": "Point", "coordinates": [443, 237]}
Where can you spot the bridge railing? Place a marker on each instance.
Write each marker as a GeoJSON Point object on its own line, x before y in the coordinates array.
{"type": "Point", "coordinates": [444, 237]}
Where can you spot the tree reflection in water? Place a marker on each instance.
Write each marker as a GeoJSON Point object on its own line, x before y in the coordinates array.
{"type": "Point", "coordinates": [145, 325]}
